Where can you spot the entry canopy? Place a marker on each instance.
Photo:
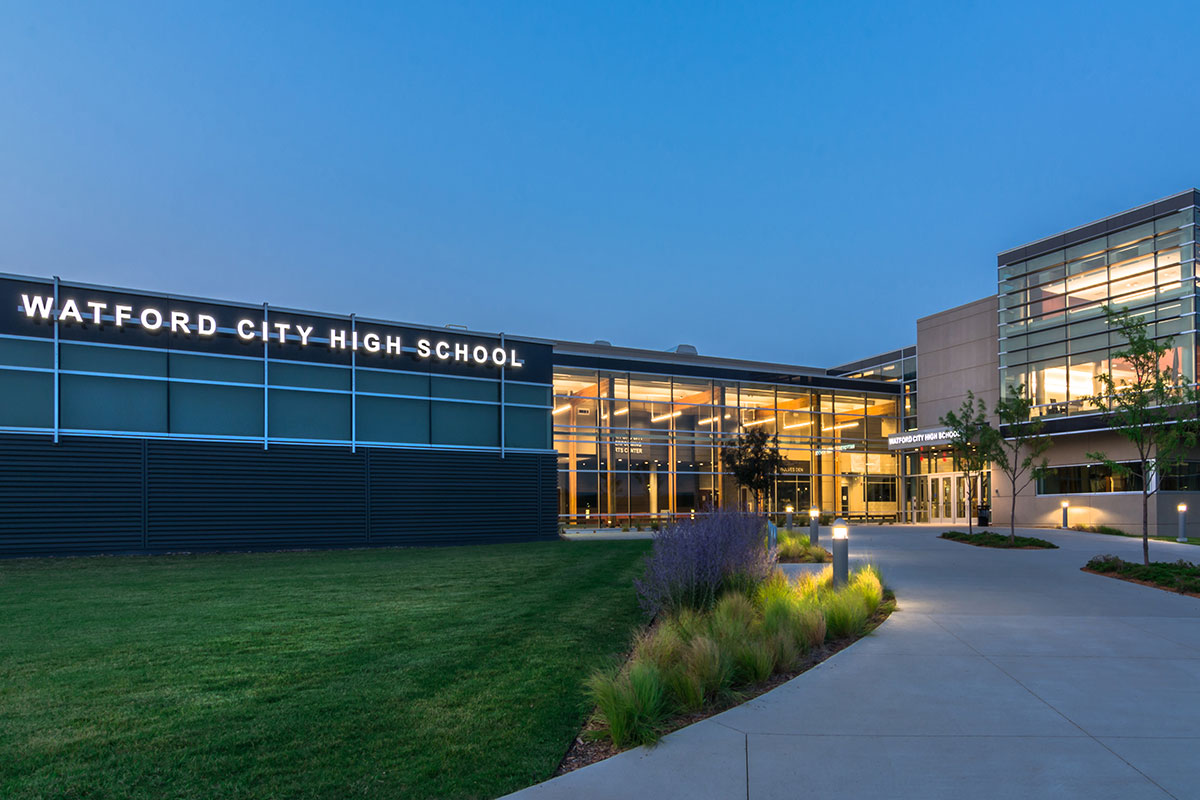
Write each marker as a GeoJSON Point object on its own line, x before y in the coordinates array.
{"type": "Point", "coordinates": [930, 437]}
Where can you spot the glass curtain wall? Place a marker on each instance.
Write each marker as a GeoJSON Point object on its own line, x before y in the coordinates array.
{"type": "Point", "coordinates": [634, 448]}
{"type": "Point", "coordinates": [1054, 338]}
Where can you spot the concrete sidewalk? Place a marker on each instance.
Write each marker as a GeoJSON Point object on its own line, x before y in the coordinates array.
{"type": "Point", "coordinates": [1003, 674]}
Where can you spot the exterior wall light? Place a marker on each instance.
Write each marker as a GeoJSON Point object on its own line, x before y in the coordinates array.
{"type": "Point", "coordinates": [1066, 504]}
{"type": "Point", "coordinates": [814, 529]}
{"type": "Point", "coordinates": [841, 553]}
{"type": "Point", "coordinates": [1182, 509]}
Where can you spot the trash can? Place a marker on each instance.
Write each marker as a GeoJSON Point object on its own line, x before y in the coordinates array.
{"type": "Point", "coordinates": [985, 515]}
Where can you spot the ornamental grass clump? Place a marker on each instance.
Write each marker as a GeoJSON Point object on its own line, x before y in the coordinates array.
{"type": "Point", "coordinates": [796, 548]}
{"type": "Point", "coordinates": [869, 588]}
{"type": "Point", "coordinates": [690, 658]}
{"type": "Point", "coordinates": [694, 561]}
{"type": "Point", "coordinates": [845, 614]}
{"type": "Point", "coordinates": [632, 703]}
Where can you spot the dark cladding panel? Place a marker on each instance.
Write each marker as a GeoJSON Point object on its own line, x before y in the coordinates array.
{"type": "Point", "coordinates": [437, 497]}
{"type": "Point", "coordinates": [238, 496]}
{"type": "Point", "coordinates": [99, 495]}
{"type": "Point", "coordinates": [81, 496]}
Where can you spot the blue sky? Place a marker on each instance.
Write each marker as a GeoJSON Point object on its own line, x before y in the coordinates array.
{"type": "Point", "coordinates": [791, 182]}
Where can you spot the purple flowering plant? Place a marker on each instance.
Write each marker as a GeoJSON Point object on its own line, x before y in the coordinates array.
{"type": "Point", "coordinates": [694, 561]}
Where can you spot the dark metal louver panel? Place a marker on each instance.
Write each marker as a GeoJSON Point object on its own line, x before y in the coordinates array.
{"type": "Point", "coordinates": [232, 496]}
{"type": "Point", "coordinates": [81, 496]}
{"type": "Point", "coordinates": [119, 496]}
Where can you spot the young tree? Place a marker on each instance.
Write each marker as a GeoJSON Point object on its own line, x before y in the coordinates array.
{"type": "Point", "coordinates": [972, 445]}
{"type": "Point", "coordinates": [754, 460]}
{"type": "Point", "coordinates": [1155, 411]}
{"type": "Point", "coordinates": [1017, 454]}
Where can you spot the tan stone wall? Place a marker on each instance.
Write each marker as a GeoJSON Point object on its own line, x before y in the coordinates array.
{"type": "Point", "coordinates": [956, 352]}
{"type": "Point", "coordinates": [1119, 510]}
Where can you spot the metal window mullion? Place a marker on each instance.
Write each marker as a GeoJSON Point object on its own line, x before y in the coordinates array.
{"type": "Point", "coordinates": [57, 385]}
{"type": "Point", "coordinates": [266, 381]}
{"type": "Point", "coordinates": [354, 386]}
{"type": "Point", "coordinates": [503, 369]}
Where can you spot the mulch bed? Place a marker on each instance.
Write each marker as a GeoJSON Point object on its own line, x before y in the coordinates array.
{"type": "Point", "coordinates": [588, 749]}
{"type": "Point", "coordinates": [1151, 584]}
{"type": "Point", "coordinates": [989, 545]}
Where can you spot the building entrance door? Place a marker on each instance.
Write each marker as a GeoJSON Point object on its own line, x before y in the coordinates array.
{"type": "Point", "coordinates": [943, 490]}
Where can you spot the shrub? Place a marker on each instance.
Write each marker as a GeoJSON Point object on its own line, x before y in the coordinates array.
{"type": "Point", "coordinates": [1106, 563]}
{"type": "Point", "coordinates": [1105, 529]}
{"type": "Point", "coordinates": [693, 561]}
{"type": "Point", "coordinates": [845, 615]}
{"type": "Point", "coordinates": [633, 704]}
{"type": "Point", "coordinates": [987, 539]}
{"type": "Point", "coordinates": [1181, 575]}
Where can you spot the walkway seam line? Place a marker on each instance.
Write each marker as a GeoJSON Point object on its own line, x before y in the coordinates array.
{"type": "Point", "coordinates": [1042, 700]}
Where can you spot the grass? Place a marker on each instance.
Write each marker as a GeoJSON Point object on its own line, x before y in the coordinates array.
{"type": "Point", "coordinates": [433, 672]}
{"type": "Point", "coordinates": [1180, 576]}
{"type": "Point", "coordinates": [795, 547]}
{"type": "Point", "coordinates": [1111, 531]}
{"type": "Point", "coordinates": [997, 540]}
{"type": "Point", "coordinates": [691, 659]}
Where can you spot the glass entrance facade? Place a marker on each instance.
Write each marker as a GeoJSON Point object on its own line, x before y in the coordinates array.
{"type": "Point", "coordinates": [640, 447]}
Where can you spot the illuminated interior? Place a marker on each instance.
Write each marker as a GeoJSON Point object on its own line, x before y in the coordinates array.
{"type": "Point", "coordinates": [1055, 340]}
{"type": "Point", "coordinates": [633, 449]}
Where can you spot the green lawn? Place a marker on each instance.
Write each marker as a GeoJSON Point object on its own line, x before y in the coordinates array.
{"type": "Point", "coordinates": [433, 672]}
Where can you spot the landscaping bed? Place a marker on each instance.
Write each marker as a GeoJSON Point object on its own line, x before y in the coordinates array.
{"type": "Point", "coordinates": [795, 548]}
{"type": "Point", "coordinates": [448, 672]}
{"type": "Point", "coordinates": [998, 541]}
{"type": "Point", "coordinates": [1180, 576]}
{"type": "Point", "coordinates": [727, 625]}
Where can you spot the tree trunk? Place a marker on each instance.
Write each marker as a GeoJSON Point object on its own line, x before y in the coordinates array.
{"type": "Point", "coordinates": [970, 497]}
{"type": "Point", "coordinates": [1012, 513]}
{"type": "Point", "coordinates": [1145, 522]}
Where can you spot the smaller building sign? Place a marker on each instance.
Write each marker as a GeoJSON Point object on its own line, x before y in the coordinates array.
{"type": "Point", "coordinates": [926, 438]}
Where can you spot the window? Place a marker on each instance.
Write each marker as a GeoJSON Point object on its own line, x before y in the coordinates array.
{"type": "Point", "coordinates": [1089, 479]}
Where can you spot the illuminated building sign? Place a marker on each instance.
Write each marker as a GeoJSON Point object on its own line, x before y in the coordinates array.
{"type": "Point", "coordinates": [283, 328]}
{"type": "Point", "coordinates": [926, 438]}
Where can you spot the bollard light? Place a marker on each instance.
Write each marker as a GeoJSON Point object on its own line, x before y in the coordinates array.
{"type": "Point", "coordinates": [1182, 509]}
{"type": "Point", "coordinates": [1065, 505]}
{"type": "Point", "coordinates": [789, 518]}
{"type": "Point", "coordinates": [814, 530]}
{"type": "Point", "coordinates": [841, 553]}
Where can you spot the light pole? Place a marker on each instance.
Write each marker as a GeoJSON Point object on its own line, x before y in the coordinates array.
{"type": "Point", "coordinates": [814, 532]}
{"type": "Point", "coordinates": [841, 553]}
{"type": "Point", "coordinates": [1182, 509]}
{"type": "Point", "coordinates": [1065, 505]}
